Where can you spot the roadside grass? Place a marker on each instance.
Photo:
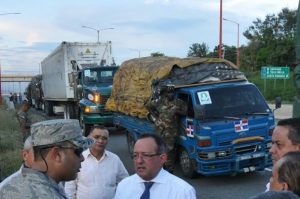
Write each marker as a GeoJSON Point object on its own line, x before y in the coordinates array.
{"type": "Point", "coordinates": [10, 142]}
{"type": "Point", "coordinates": [274, 88]}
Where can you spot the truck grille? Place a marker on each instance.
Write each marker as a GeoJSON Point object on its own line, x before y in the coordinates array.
{"type": "Point", "coordinates": [217, 155]}
{"type": "Point", "coordinates": [245, 149]}
{"type": "Point", "coordinates": [104, 99]}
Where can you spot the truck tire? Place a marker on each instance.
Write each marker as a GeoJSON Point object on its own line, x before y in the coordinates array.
{"type": "Point", "coordinates": [187, 165]}
{"type": "Point", "coordinates": [49, 108]}
{"type": "Point", "coordinates": [37, 105]}
{"type": "Point", "coordinates": [130, 143]}
{"type": "Point", "coordinates": [86, 128]}
{"type": "Point", "coordinates": [73, 114]}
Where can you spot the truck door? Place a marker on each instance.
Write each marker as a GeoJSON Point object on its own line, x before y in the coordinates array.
{"type": "Point", "coordinates": [187, 122]}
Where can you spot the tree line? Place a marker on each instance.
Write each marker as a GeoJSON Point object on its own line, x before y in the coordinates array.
{"type": "Point", "coordinates": [270, 42]}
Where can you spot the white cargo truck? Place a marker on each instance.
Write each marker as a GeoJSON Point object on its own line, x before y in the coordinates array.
{"type": "Point", "coordinates": [64, 74]}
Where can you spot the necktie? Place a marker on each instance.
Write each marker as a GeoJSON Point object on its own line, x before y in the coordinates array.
{"type": "Point", "coordinates": [146, 194]}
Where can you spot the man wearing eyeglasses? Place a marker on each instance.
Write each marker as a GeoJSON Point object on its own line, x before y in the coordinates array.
{"type": "Point", "coordinates": [101, 170]}
{"type": "Point", "coordinates": [57, 147]}
{"type": "Point", "coordinates": [151, 180]}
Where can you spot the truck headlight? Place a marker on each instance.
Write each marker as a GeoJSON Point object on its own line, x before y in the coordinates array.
{"type": "Point", "coordinates": [90, 97]}
{"type": "Point", "coordinates": [97, 98]}
{"type": "Point", "coordinates": [222, 153]}
{"type": "Point", "coordinates": [87, 109]}
{"type": "Point", "coordinates": [91, 109]}
{"type": "Point", "coordinates": [211, 155]}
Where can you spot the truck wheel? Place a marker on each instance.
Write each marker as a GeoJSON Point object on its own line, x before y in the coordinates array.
{"type": "Point", "coordinates": [130, 143]}
{"type": "Point", "coordinates": [86, 128]}
{"type": "Point", "coordinates": [187, 165]}
{"type": "Point", "coordinates": [49, 108]}
{"type": "Point", "coordinates": [73, 114]}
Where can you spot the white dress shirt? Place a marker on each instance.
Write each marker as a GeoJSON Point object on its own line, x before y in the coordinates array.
{"type": "Point", "coordinates": [97, 179]}
{"type": "Point", "coordinates": [165, 186]}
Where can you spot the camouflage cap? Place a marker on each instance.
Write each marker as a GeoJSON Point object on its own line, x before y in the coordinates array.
{"type": "Point", "coordinates": [55, 131]}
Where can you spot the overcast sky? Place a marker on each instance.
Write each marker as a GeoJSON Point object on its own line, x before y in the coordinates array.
{"type": "Point", "coordinates": [167, 26]}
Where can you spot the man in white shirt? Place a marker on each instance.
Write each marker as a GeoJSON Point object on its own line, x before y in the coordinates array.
{"type": "Point", "coordinates": [285, 138]}
{"type": "Point", "coordinates": [100, 172]}
{"type": "Point", "coordinates": [151, 181]}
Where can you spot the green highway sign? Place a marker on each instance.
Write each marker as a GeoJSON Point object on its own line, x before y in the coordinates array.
{"type": "Point", "coordinates": [275, 72]}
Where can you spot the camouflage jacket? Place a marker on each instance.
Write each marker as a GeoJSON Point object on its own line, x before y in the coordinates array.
{"type": "Point", "coordinates": [29, 183]}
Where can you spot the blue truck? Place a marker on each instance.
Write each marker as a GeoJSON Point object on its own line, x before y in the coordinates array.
{"type": "Point", "coordinates": [226, 128]}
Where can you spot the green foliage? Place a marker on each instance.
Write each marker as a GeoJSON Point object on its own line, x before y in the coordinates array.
{"type": "Point", "coordinates": [157, 54]}
{"type": "Point", "coordinates": [272, 41]}
{"type": "Point", "coordinates": [198, 50]}
{"type": "Point", "coordinates": [274, 88]}
{"type": "Point", "coordinates": [10, 142]}
{"type": "Point", "coordinates": [229, 53]}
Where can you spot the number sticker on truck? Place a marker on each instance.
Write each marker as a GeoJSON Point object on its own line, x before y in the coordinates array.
{"type": "Point", "coordinates": [204, 97]}
{"type": "Point", "coordinates": [87, 73]}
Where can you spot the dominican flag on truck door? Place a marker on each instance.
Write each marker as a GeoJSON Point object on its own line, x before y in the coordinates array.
{"type": "Point", "coordinates": [189, 128]}
{"type": "Point", "coordinates": [241, 125]}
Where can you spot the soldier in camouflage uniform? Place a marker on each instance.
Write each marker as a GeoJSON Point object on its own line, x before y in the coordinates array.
{"type": "Point", "coordinates": [57, 146]}
{"type": "Point", "coordinates": [164, 113]}
{"type": "Point", "coordinates": [24, 120]}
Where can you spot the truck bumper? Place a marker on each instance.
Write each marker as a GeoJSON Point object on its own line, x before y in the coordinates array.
{"type": "Point", "coordinates": [106, 120]}
{"type": "Point", "coordinates": [240, 164]}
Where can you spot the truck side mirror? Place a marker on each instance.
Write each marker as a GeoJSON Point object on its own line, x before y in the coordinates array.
{"type": "Point", "coordinates": [277, 103]}
{"type": "Point", "coordinates": [79, 91]}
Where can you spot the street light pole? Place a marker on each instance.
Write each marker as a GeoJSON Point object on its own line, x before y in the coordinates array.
{"type": "Point", "coordinates": [238, 41]}
{"type": "Point", "coordinates": [98, 30]}
{"type": "Point", "coordinates": [220, 32]}
{"type": "Point", "coordinates": [8, 13]}
{"type": "Point", "coordinates": [137, 50]}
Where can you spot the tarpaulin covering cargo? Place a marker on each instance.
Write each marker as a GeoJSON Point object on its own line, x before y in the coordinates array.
{"type": "Point", "coordinates": [136, 79]}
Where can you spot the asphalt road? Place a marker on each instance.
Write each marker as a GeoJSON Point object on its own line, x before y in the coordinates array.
{"type": "Point", "coordinates": [217, 187]}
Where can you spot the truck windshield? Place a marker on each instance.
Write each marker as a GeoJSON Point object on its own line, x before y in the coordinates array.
{"type": "Point", "coordinates": [99, 75]}
{"type": "Point", "coordinates": [231, 102]}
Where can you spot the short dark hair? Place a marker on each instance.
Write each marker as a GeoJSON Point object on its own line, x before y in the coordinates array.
{"type": "Point", "coordinates": [100, 127]}
{"type": "Point", "coordinates": [161, 145]}
{"type": "Point", "coordinates": [289, 171]}
{"type": "Point", "coordinates": [293, 124]}
{"type": "Point", "coordinates": [276, 195]}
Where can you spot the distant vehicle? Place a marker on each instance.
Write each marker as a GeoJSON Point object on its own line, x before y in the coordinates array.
{"type": "Point", "coordinates": [77, 79]}
{"type": "Point", "coordinates": [227, 126]}
{"type": "Point", "coordinates": [34, 92]}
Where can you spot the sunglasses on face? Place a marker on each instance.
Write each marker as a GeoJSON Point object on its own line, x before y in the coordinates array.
{"type": "Point", "coordinates": [77, 150]}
